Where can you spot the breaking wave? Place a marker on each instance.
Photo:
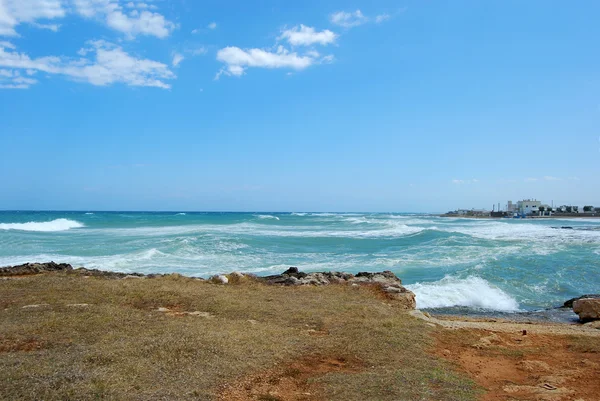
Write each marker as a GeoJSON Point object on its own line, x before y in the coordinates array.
{"type": "Point", "coordinates": [267, 216]}
{"type": "Point", "coordinates": [473, 292]}
{"type": "Point", "coordinates": [45, 226]}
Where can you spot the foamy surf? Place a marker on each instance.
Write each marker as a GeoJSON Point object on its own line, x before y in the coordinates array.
{"type": "Point", "coordinates": [267, 216]}
{"type": "Point", "coordinates": [45, 226]}
{"type": "Point", "coordinates": [472, 292]}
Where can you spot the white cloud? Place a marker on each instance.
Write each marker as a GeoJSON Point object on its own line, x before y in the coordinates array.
{"type": "Point", "coordinates": [530, 179]}
{"type": "Point", "coordinates": [551, 178]}
{"type": "Point", "coordinates": [15, 12]}
{"type": "Point", "coordinates": [356, 18]}
{"type": "Point", "coordinates": [382, 17]}
{"type": "Point", "coordinates": [140, 21]}
{"type": "Point", "coordinates": [348, 19]}
{"type": "Point", "coordinates": [111, 64]}
{"type": "Point", "coordinates": [177, 58]}
{"type": "Point", "coordinates": [7, 45]}
{"type": "Point", "coordinates": [212, 25]}
{"type": "Point", "coordinates": [12, 79]}
{"type": "Point", "coordinates": [328, 59]}
{"type": "Point", "coordinates": [140, 5]}
{"type": "Point", "coordinates": [144, 23]}
{"type": "Point", "coordinates": [50, 27]}
{"type": "Point", "coordinates": [305, 36]}
{"type": "Point", "coordinates": [238, 60]}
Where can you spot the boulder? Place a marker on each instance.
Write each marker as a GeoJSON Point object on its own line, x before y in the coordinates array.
{"type": "Point", "coordinates": [587, 308]}
{"type": "Point", "coordinates": [219, 279]}
{"type": "Point", "coordinates": [405, 298]}
{"type": "Point", "coordinates": [569, 303]}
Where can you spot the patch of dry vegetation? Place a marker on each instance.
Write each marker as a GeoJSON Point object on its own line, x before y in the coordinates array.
{"type": "Point", "coordinates": [254, 342]}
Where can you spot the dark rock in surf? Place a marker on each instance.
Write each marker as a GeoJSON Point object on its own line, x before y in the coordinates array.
{"type": "Point", "coordinates": [587, 309]}
{"type": "Point", "coordinates": [569, 303]}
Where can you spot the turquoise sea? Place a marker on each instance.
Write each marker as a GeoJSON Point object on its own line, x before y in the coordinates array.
{"type": "Point", "coordinates": [500, 265]}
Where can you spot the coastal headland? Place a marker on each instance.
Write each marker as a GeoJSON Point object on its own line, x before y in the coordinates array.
{"type": "Point", "coordinates": [89, 334]}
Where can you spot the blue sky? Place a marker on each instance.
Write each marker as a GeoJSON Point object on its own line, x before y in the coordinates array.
{"type": "Point", "coordinates": [280, 106]}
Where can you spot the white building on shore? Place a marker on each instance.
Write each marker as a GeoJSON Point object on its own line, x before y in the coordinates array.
{"type": "Point", "coordinates": [528, 206]}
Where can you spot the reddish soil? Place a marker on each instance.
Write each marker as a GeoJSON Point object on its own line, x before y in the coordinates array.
{"type": "Point", "coordinates": [288, 383]}
{"type": "Point", "coordinates": [517, 366]}
{"type": "Point", "coordinates": [20, 344]}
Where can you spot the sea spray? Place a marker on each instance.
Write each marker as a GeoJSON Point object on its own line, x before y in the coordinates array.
{"type": "Point", "coordinates": [473, 292]}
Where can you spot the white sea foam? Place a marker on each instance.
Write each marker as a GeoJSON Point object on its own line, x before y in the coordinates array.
{"type": "Point", "coordinates": [267, 216]}
{"type": "Point", "coordinates": [531, 232]}
{"type": "Point", "coordinates": [299, 214]}
{"type": "Point", "coordinates": [473, 292]}
{"type": "Point", "coordinates": [180, 214]}
{"type": "Point", "coordinates": [44, 226]}
{"type": "Point", "coordinates": [89, 213]}
{"type": "Point", "coordinates": [259, 230]}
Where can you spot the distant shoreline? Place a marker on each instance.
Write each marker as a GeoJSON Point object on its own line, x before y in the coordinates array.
{"type": "Point", "coordinates": [557, 217]}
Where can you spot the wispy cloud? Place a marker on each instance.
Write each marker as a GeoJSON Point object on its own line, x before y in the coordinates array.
{"type": "Point", "coordinates": [381, 18]}
{"type": "Point", "coordinates": [461, 182]}
{"type": "Point", "coordinates": [550, 178]}
{"type": "Point", "coordinates": [131, 19]}
{"type": "Point", "coordinates": [109, 64]}
{"type": "Point", "coordinates": [212, 25]}
{"type": "Point", "coordinates": [50, 27]}
{"type": "Point", "coordinates": [177, 59]}
{"type": "Point", "coordinates": [348, 19]}
{"type": "Point", "coordinates": [16, 12]}
{"type": "Point", "coordinates": [303, 35]}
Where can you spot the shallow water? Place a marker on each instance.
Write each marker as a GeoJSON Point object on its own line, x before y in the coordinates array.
{"type": "Point", "coordinates": [501, 265]}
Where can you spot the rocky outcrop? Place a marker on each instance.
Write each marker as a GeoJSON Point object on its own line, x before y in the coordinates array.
{"type": "Point", "coordinates": [50, 267]}
{"type": "Point", "coordinates": [569, 303]}
{"type": "Point", "coordinates": [587, 308]}
{"type": "Point", "coordinates": [387, 282]}
{"type": "Point", "coordinates": [34, 268]}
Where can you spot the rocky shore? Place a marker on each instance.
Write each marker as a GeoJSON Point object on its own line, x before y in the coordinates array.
{"type": "Point", "coordinates": [237, 336]}
{"type": "Point", "coordinates": [587, 307]}
{"type": "Point", "coordinates": [385, 282]}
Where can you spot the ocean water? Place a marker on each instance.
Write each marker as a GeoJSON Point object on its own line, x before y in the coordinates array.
{"type": "Point", "coordinates": [502, 265]}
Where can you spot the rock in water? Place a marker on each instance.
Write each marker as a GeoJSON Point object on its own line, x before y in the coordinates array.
{"type": "Point", "coordinates": [569, 303]}
{"type": "Point", "coordinates": [587, 308]}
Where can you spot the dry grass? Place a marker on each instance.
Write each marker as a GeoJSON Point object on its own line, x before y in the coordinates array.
{"type": "Point", "coordinates": [120, 347]}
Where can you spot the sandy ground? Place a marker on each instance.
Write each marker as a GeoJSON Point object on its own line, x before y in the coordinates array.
{"type": "Point", "coordinates": [521, 361]}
